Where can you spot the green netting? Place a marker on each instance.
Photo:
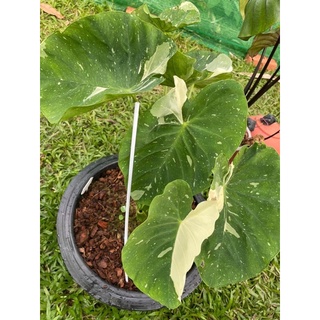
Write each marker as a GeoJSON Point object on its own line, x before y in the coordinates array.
{"type": "Point", "coordinates": [219, 27]}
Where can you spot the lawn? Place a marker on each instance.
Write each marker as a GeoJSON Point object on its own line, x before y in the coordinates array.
{"type": "Point", "coordinates": [69, 146]}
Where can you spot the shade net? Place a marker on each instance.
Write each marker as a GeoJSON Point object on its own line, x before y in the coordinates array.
{"type": "Point", "coordinates": [219, 27]}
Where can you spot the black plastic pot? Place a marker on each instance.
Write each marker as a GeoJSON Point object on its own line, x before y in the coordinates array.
{"type": "Point", "coordinates": [77, 267]}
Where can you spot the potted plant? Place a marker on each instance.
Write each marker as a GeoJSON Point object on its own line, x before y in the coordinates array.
{"type": "Point", "coordinates": [187, 144]}
{"type": "Point", "coordinates": [108, 287]}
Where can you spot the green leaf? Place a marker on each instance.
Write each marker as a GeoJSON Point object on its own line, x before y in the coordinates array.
{"type": "Point", "coordinates": [262, 41]}
{"type": "Point", "coordinates": [198, 67]}
{"type": "Point", "coordinates": [97, 59]}
{"type": "Point", "coordinates": [180, 65]}
{"type": "Point", "coordinates": [170, 19]}
{"type": "Point", "coordinates": [213, 69]}
{"type": "Point", "coordinates": [247, 234]}
{"type": "Point", "coordinates": [161, 251]}
{"type": "Point", "coordinates": [213, 122]}
{"type": "Point", "coordinates": [260, 15]}
{"type": "Point", "coordinates": [221, 64]}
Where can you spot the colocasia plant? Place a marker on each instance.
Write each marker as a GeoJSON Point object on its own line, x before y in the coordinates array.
{"type": "Point", "coordinates": [184, 145]}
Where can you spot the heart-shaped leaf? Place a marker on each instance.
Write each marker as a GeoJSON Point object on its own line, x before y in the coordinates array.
{"type": "Point", "coordinates": [214, 122]}
{"type": "Point", "coordinates": [247, 234]}
{"type": "Point", "coordinates": [100, 58]}
{"type": "Point", "coordinates": [161, 251]}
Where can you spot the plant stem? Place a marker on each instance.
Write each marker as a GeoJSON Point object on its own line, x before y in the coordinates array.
{"type": "Point", "coordinates": [265, 88]}
{"type": "Point", "coordinates": [250, 87]}
{"type": "Point", "coordinates": [272, 135]}
{"type": "Point", "coordinates": [247, 87]}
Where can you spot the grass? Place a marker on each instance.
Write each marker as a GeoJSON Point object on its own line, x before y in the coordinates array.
{"type": "Point", "coordinates": [69, 146]}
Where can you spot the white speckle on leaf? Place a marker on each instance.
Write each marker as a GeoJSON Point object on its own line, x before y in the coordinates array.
{"type": "Point", "coordinates": [232, 213]}
{"type": "Point", "coordinates": [80, 65]}
{"type": "Point", "coordinates": [227, 227]}
{"type": "Point", "coordinates": [161, 254]}
{"type": "Point", "coordinates": [189, 160]}
{"type": "Point", "coordinates": [255, 184]}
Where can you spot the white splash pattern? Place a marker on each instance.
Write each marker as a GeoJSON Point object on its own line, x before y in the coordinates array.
{"type": "Point", "coordinates": [96, 91]}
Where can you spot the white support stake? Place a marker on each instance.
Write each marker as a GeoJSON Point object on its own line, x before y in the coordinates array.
{"type": "Point", "coordinates": [132, 151]}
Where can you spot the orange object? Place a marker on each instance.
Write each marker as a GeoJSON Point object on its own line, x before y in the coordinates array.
{"type": "Point", "coordinates": [130, 9]}
{"type": "Point", "coordinates": [254, 60]}
{"type": "Point", "coordinates": [266, 131]}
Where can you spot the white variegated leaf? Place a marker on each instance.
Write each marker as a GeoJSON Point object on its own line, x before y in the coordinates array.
{"type": "Point", "coordinates": [193, 230]}
{"type": "Point", "coordinates": [172, 102]}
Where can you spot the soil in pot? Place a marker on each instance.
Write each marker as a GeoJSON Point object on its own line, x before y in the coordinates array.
{"type": "Point", "coordinates": [99, 227]}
